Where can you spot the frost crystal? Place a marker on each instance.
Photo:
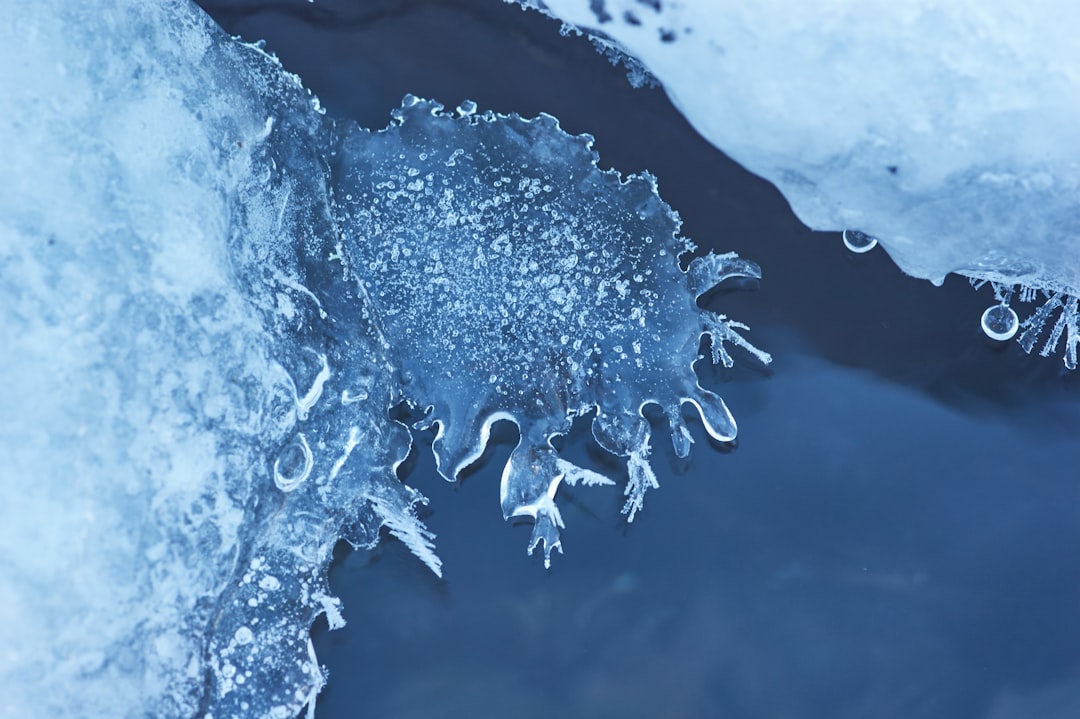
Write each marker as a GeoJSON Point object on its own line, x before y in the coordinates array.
{"type": "Point", "coordinates": [515, 280]}
{"type": "Point", "coordinates": [945, 130]}
{"type": "Point", "coordinates": [1001, 322]}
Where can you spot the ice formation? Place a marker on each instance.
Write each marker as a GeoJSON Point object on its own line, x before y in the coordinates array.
{"type": "Point", "coordinates": [945, 130]}
{"type": "Point", "coordinates": [210, 297]}
{"type": "Point", "coordinates": [519, 281]}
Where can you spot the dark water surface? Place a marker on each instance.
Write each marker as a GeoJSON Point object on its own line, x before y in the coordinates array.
{"type": "Point", "coordinates": [895, 534]}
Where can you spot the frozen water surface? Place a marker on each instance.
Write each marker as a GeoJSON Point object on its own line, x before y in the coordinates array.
{"type": "Point", "coordinates": [209, 308]}
{"type": "Point", "coordinates": [203, 325]}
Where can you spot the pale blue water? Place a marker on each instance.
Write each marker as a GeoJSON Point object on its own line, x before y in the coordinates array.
{"type": "Point", "coordinates": [894, 535]}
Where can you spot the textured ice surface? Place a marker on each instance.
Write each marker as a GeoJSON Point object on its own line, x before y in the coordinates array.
{"type": "Point", "coordinates": [945, 130]}
{"type": "Point", "coordinates": [516, 280]}
{"type": "Point", "coordinates": [210, 297]}
{"type": "Point", "coordinates": [169, 350]}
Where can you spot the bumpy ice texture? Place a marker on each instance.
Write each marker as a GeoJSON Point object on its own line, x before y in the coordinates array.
{"type": "Point", "coordinates": [946, 130]}
{"type": "Point", "coordinates": [195, 399]}
{"type": "Point", "coordinates": [199, 350]}
{"type": "Point", "coordinates": [516, 280]}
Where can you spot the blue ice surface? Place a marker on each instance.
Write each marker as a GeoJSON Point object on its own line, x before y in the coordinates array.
{"type": "Point", "coordinates": [892, 537]}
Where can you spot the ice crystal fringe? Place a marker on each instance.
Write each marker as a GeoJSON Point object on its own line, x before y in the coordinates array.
{"type": "Point", "coordinates": [516, 280]}
{"type": "Point", "coordinates": [1067, 324]}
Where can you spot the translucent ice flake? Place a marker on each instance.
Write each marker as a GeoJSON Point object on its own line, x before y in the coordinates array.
{"type": "Point", "coordinates": [516, 280]}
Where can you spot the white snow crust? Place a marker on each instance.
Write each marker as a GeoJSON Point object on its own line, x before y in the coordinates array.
{"type": "Point", "coordinates": [946, 130]}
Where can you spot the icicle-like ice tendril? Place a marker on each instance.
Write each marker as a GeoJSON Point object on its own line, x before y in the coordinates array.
{"type": "Point", "coordinates": [516, 280]}
{"type": "Point", "coordinates": [1066, 324]}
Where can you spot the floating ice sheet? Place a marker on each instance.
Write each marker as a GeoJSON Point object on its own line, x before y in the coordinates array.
{"type": "Point", "coordinates": [516, 280]}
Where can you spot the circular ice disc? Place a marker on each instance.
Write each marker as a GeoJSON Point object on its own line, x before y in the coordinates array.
{"type": "Point", "coordinates": [859, 242]}
{"type": "Point", "coordinates": [1000, 322]}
